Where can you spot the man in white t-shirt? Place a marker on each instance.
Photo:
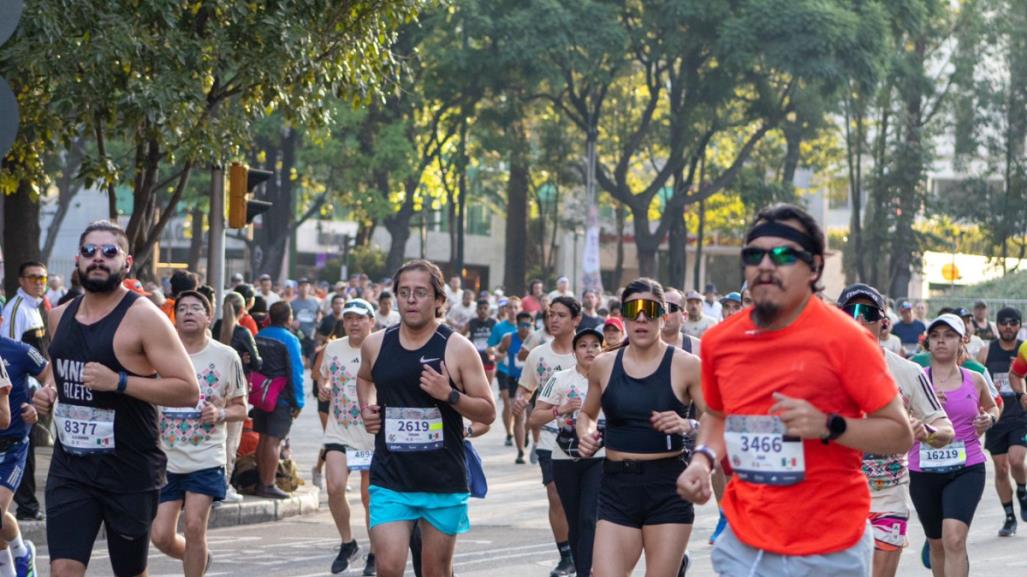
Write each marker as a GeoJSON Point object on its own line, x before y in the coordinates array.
{"type": "Point", "coordinates": [347, 444]}
{"type": "Point", "coordinates": [194, 438]}
{"type": "Point", "coordinates": [696, 323]}
{"type": "Point", "coordinates": [387, 315]}
{"type": "Point", "coordinates": [461, 313]}
{"type": "Point", "coordinates": [453, 291]}
{"type": "Point", "coordinates": [563, 289]}
{"type": "Point", "coordinates": [264, 290]}
{"type": "Point", "coordinates": [542, 362]}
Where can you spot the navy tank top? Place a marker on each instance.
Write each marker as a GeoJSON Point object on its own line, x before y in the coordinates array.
{"type": "Point", "coordinates": [406, 457]}
{"type": "Point", "coordinates": [628, 404]}
{"type": "Point", "coordinates": [135, 462]}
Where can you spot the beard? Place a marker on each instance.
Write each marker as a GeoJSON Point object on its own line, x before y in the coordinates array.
{"type": "Point", "coordinates": [765, 313]}
{"type": "Point", "coordinates": [114, 278]}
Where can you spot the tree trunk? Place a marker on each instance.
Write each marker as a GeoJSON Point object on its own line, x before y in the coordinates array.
{"type": "Point", "coordinates": [196, 242]}
{"type": "Point", "coordinates": [700, 239]}
{"type": "Point", "coordinates": [67, 188]}
{"type": "Point", "coordinates": [21, 233]}
{"type": "Point", "coordinates": [398, 226]}
{"type": "Point", "coordinates": [516, 209]}
{"type": "Point", "coordinates": [677, 242]}
{"type": "Point", "coordinates": [275, 226]}
{"type": "Point", "coordinates": [618, 268]}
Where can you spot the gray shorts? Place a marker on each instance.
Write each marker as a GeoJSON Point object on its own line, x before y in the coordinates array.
{"type": "Point", "coordinates": [732, 558]}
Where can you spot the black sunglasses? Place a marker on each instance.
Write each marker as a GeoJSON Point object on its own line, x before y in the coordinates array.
{"type": "Point", "coordinates": [779, 255]}
{"type": "Point", "coordinates": [89, 250]}
{"type": "Point", "coordinates": [673, 307]}
{"type": "Point", "coordinates": [870, 314]}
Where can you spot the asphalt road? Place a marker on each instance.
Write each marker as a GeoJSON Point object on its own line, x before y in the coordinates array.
{"type": "Point", "coordinates": [510, 533]}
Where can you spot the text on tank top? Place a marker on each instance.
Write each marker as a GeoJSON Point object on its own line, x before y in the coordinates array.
{"type": "Point", "coordinates": [998, 363]}
{"type": "Point", "coordinates": [628, 404]}
{"type": "Point", "coordinates": [105, 439]}
{"type": "Point", "coordinates": [420, 445]}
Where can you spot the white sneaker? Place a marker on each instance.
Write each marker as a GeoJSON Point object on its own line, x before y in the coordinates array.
{"type": "Point", "coordinates": [316, 478]}
{"type": "Point", "coordinates": [231, 496]}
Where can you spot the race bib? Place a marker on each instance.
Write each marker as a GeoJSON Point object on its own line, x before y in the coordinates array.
{"type": "Point", "coordinates": [85, 430]}
{"type": "Point", "coordinates": [1002, 383]}
{"type": "Point", "coordinates": [185, 412]}
{"type": "Point", "coordinates": [948, 458]}
{"type": "Point", "coordinates": [760, 451]}
{"type": "Point", "coordinates": [306, 316]}
{"type": "Point", "coordinates": [481, 343]}
{"type": "Point", "coordinates": [410, 429]}
{"type": "Point", "coordinates": [359, 460]}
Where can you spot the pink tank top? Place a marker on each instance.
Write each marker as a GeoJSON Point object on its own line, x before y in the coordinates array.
{"type": "Point", "coordinates": [962, 406]}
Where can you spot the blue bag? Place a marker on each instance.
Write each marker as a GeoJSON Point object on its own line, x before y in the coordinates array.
{"type": "Point", "coordinates": [475, 472]}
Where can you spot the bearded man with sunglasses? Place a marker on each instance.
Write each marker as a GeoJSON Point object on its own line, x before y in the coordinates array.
{"type": "Point", "coordinates": [107, 350]}
{"type": "Point", "coordinates": [795, 393]}
{"type": "Point", "coordinates": [888, 475]}
{"type": "Point", "coordinates": [1007, 440]}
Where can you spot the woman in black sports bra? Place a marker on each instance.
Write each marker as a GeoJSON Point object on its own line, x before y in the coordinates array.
{"type": "Point", "coordinates": [643, 388]}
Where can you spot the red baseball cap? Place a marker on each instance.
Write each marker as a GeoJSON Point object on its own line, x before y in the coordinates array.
{"type": "Point", "coordinates": [614, 322]}
{"type": "Point", "coordinates": [135, 285]}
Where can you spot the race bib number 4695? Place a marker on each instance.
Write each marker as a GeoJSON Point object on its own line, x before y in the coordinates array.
{"type": "Point", "coordinates": [760, 451]}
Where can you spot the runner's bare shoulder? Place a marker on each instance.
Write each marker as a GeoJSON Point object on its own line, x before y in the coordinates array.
{"type": "Point", "coordinates": [602, 366]}
{"type": "Point", "coordinates": [371, 346]}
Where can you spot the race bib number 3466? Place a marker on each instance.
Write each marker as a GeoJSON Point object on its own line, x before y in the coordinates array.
{"type": "Point", "coordinates": [409, 429]}
{"type": "Point", "coordinates": [760, 452]}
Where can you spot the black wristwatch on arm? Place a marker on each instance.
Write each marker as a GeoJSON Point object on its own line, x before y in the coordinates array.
{"type": "Point", "coordinates": [836, 427]}
{"type": "Point", "coordinates": [454, 397]}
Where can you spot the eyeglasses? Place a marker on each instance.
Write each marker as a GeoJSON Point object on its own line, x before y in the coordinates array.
{"type": "Point", "coordinates": [1009, 323]}
{"type": "Point", "coordinates": [869, 313]}
{"type": "Point", "coordinates": [631, 309]}
{"type": "Point", "coordinates": [673, 307]}
{"type": "Point", "coordinates": [35, 278]}
{"type": "Point", "coordinates": [779, 255]}
{"type": "Point", "coordinates": [419, 293]}
{"type": "Point", "coordinates": [89, 250]}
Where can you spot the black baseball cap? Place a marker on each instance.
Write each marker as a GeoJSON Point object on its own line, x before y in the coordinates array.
{"type": "Point", "coordinates": [584, 332]}
{"type": "Point", "coordinates": [858, 290]}
{"type": "Point", "coordinates": [1008, 313]}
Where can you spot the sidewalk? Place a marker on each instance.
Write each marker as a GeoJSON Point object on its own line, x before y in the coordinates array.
{"type": "Point", "coordinates": [305, 440]}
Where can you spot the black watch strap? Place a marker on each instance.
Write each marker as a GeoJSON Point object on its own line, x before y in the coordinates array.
{"type": "Point", "coordinates": [836, 427]}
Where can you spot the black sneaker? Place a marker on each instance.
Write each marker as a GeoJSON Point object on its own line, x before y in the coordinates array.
{"type": "Point", "coordinates": [509, 441]}
{"type": "Point", "coordinates": [1008, 529]}
{"type": "Point", "coordinates": [520, 458]}
{"type": "Point", "coordinates": [369, 568]}
{"type": "Point", "coordinates": [348, 552]}
{"type": "Point", "coordinates": [1023, 507]}
{"type": "Point", "coordinates": [564, 568]}
{"type": "Point", "coordinates": [272, 492]}
{"type": "Point", "coordinates": [685, 562]}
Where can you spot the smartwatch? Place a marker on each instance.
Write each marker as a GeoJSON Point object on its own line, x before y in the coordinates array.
{"type": "Point", "coordinates": [836, 426]}
{"type": "Point", "coordinates": [708, 453]}
{"type": "Point", "coordinates": [454, 397]}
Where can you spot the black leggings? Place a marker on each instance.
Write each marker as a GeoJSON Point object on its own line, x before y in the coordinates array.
{"type": "Point", "coordinates": [939, 496]}
{"type": "Point", "coordinates": [578, 483]}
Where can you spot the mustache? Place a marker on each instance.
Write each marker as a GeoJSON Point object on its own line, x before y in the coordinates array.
{"type": "Point", "coordinates": [97, 266]}
{"type": "Point", "coordinates": [768, 280]}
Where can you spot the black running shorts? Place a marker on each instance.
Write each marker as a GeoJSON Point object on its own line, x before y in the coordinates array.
{"type": "Point", "coordinates": [639, 493]}
{"type": "Point", "coordinates": [74, 512]}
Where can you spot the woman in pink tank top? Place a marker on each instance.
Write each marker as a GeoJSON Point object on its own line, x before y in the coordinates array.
{"type": "Point", "coordinates": [946, 483]}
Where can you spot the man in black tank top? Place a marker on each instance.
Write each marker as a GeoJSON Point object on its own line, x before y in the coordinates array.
{"type": "Point", "coordinates": [107, 348]}
{"type": "Point", "coordinates": [414, 402]}
{"type": "Point", "coordinates": [671, 332]}
{"type": "Point", "coordinates": [1007, 440]}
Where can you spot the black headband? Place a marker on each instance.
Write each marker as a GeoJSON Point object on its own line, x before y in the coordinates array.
{"type": "Point", "coordinates": [784, 231]}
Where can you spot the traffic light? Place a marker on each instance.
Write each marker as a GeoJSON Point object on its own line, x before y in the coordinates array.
{"type": "Point", "coordinates": [241, 182]}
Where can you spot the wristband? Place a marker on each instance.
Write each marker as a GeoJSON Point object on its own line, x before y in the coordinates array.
{"type": "Point", "coordinates": [221, 415]}
{"type": "Point", "coordinates": [708, 453]}
{"type": "Point", "coordinates": [122, 382]}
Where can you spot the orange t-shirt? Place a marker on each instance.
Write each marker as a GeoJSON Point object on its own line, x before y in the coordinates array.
{"type": "Point", "coordinates": [169, 308]}
{"type": "Point", "coordinates": [247, 322]}
{"type": "Point", "coordinates": [827, 359]}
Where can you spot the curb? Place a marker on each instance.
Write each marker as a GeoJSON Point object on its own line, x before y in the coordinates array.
{"type": "Point", "coordinates": [252, 510]}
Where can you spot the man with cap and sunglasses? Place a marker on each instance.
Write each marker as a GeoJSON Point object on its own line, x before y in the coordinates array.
{"type": "Point", "coordinates": [1007, 440]}
{"type": "Point", "coordinates": [888, 475]}
{"type": "Point", "coordinates": [792, 458]}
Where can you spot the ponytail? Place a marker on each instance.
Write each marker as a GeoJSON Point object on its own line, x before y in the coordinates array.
{"type": "Point", "coordinates": [230, 313]}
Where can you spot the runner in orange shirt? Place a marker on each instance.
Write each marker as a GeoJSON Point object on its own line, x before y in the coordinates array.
{"type": "Point", "coordinates": [796, 393]}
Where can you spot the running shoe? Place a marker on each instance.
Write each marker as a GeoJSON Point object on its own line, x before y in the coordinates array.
{"type": "Point", "coordinates": [1008, 528]}
{"type": "Point", "coordinates": [685, 562]}
{"type": "Point", "coordinates": [509, 441]}
{"type": "Point", "coordinates": [520, 458]}
{"type": "Point", "coordinates": [272, 492]}
{"type": "Point", "coordinates": [564, 568]}
{"type": "Point", "coordinates": [533, 456]}
{"type": "Point", "coordinates": [25, 566]}
{"type": "Point", "coordinates": [369, 568]}
{"type": "Point", "coordinates": [721, 525]}
{"type": "Point", "coordinates": [1023, 507]}
{"type": "Point", "coordinates": [210, 561]}
{"type": "Point", "coordinates": [925, 555]}
{"type": "Point", "coordinates": [316, 478]}
{"type": "Point", "coordinates": [347, 552]}
{"type": "Point", "coordinates": [232, 496]}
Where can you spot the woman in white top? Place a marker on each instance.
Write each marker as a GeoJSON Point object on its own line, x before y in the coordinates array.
{"type": "Point", "coordinates": [577, 479]}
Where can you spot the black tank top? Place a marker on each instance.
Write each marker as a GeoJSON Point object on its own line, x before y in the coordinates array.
{"type": "Point", "coordinates": [998, 363]}
{"type": "Point", "coordinates": [136, 462]}
{"type": "Point", "coordinates": [628, 404]}
{"type": "Point", "coordinates": [397, 374]}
